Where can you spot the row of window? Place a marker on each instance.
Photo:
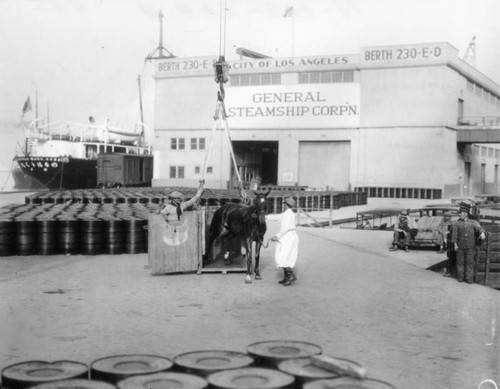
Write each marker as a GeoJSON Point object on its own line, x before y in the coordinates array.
{"type": "Point", "coordinates": [485, 151]}
{"type": "Point", "coordinates": [180, 144]}
{"type": "Point", "coordinates": [326, 77]}
{"type": "Point", "coordinates": [178, 171]}
{"type": "Point", "coordinates": [256, 79]}
{"type": "Point", "coordinates": [304, 78]}
{"type": "Point", "coordinates": [472, 87]}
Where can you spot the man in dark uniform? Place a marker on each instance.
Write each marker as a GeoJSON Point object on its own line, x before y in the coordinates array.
{"type": "Point", "coordinates": [463, 238]}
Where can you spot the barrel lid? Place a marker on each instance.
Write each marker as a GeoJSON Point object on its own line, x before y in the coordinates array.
{"type": "Point", "coordinates": [212, 360]}
{"type": "Point", "coordinates": [76, 383]}
{"type": "Point", "coordinates": [283, 349]}
{"type": "Point", "coordinates": [34, 372]}
{"type": "Point", "coordinates": [250, 378]}
{"type": "Point", "coordinates": [304, 369]}
{"type": "Point", "coordinates": [133, 364]}
{"type": "Point", "coordinates": [348, 383]}
{"type": "Point", "coordinates": [163, 380]}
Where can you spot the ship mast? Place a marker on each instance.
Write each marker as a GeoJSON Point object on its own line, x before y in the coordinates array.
{"type": "Point", "coordinates": [140, 98]}
{"type": "Point", "coordinates": [160, 49]}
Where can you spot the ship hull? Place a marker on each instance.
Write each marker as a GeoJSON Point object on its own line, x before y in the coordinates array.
{"type": "Point", "coordinates": [60, 172]}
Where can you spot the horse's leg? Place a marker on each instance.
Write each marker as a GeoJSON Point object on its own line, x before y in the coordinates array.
{"type": "Point", "coordinates": [208, 246]}
{"type": "Point", "coordinates": [258, 245]}
{"type": "Point", "coordinates": [248, 244]}
{"type": "Point", "coordinates": [223, 236]}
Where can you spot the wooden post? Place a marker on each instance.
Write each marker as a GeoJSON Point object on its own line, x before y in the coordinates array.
{"type": "Point", "coordinates": [487, 264]}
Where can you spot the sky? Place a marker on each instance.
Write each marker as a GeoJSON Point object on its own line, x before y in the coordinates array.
{"type": "Point", "coordinates": [83, 57]}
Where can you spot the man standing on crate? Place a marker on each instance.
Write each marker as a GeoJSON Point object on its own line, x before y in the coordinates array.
{"type": "Point", "coordinates": [463, 237]}
{"type": "Point", "coordinates": [176, 205]}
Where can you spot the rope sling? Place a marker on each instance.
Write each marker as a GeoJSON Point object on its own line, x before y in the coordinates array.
{"type": "Point", "coordinates": [221, 69]}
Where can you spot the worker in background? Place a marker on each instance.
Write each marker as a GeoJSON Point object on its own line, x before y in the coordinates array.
{"type": "Point", "coordinates": [402, 234]}
{"type": "Point", "coordinates": [176, 205]}
{"type": "Point", "coordinates": [463, 237]}
{"type": "Point", "coordinates": [443, 230]}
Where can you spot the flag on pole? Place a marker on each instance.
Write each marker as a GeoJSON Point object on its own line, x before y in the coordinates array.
{"type": "Point", "coordinates": [289, 12]}
{"type": "Point", "coordinates": [26, 106]}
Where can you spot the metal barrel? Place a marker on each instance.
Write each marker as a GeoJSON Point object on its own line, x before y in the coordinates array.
{"type": "Point", "coordinates": [24, 230]}
{"type": "Point", "coordinates": [119, 367]}
{"type": "Point", "coordinates": [114, 235]}
{"type": "Point", "coordinates": [91, 236]}
{"type": "Point", "coordinates": [6, 237]}
{"type": "Point", "coordinates": [271, 353]}
{"type": "Point", "coordinates": [46, 230]}
{"type": "Point", "coordinates": [206, 362]}
{"type": "Point", "coordinates": [348, 382]}
{"type": "Point", "coordinates": [68, 234]}
{"type": "Point", "coordinates": [135, 235]}
{"type": "Point", "coordinates": [250, 378]}
{"type": "Point", "coordinates": [30, 373]}
{"type": "Point", "coordinates": [75, 383]}
{"type": "Point", "coordinates": [164, 380]}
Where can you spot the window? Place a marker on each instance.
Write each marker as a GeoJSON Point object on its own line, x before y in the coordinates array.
{"type": "Point", "coordinates": [197, 170]}
{"type": "Point", "coordinates": [244, 80]}
{"type": "Point", "coordinates": [210, 170]}
{"type": "Point", "coordinates": [176, 171]}
{"type": "Point", "coordinates": [177, 143]}
{"type": "Point", "coordinates": [326, 77]}
{"type": "Point", "coordinates": [256, 79]}
{"type": "Point", "coordinates": [197, 143]}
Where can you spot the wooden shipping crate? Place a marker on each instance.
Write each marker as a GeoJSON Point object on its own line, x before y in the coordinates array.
{"type": "Point", "coordinates": [175, 247]}
{"type": "Point", "coordinates": [178, 247]}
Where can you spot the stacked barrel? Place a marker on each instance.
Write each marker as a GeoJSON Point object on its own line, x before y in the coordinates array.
{"type": "Point", "coordinates": [270, 364]}
{"type": "Point", "coordinates": [114, 221]}
{"type": "Point", "coordinates": [74, 228]}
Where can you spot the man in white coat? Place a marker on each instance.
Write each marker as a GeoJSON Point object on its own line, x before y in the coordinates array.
{"type": "Point", "coordinates": [286, 252]}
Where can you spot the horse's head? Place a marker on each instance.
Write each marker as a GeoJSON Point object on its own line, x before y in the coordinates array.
{"type": "Point", "coordinates": [260, 206]}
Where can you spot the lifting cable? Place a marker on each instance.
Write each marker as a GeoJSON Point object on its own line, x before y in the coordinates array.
{"type": "Point", "coordinates": [221, 69]}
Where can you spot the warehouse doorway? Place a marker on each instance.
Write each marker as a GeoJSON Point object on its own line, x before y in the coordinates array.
{"type": "Point", "coordinates": [257, 161]}
{"type": "Point", "coordinates": [325, 164]}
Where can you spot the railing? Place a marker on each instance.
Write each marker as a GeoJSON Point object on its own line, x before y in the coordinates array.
{"type": "Point", "coordinates": [479, 121]}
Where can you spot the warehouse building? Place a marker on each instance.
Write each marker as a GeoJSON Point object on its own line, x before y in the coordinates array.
{"type": "Point", "coordinates": [410, 121]}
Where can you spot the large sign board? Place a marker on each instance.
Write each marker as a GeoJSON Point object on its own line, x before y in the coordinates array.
{"type": "Point", "coordinates": [202, 66]}
{"type": "Point", "coordinates": [406, 54]}
{"type": "Point", "coordinates": [293, 106]}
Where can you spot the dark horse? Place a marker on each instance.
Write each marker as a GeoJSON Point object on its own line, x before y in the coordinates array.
{"type": "Point", "coordinates": [247, 222]}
